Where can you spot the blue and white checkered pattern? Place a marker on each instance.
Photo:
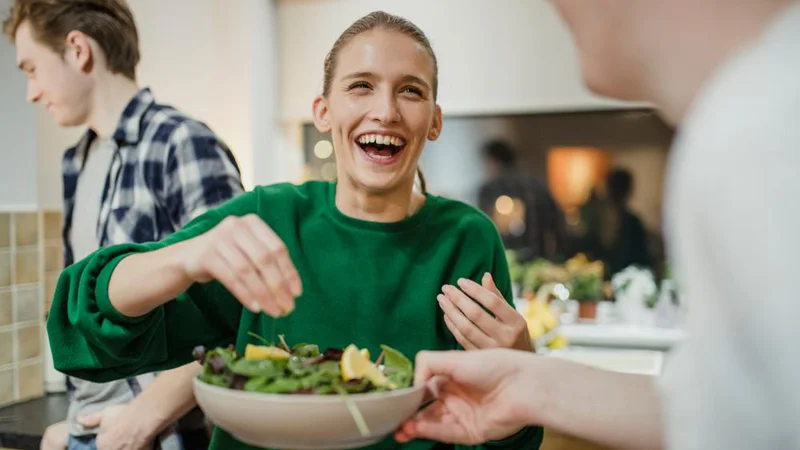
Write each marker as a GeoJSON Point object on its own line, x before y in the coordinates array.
{"type": "Point", "coordinates": [167, 169]}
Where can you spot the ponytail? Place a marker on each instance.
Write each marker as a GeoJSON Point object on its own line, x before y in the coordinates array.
{"type": "Point", "coordinates": [421, 178]}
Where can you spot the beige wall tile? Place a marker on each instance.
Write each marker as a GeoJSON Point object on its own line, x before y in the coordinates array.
{"type": "Point", "coordinates": [5, 230]}
{"type": "Point", "coordinates": [50, 281]}
{"type": "Point", "coordinates": [31, 381]}
{"type": "Point", "coordinates": [27, 267]}
{"type": "Point", "coordinates": [53, 258]}
{"type": "Point", "coordinates": [5, 268]}
{"type": "Point", "coordinates": [28, 304]}
{"type": "Point", "coordinates": [6, 317]}
{"type": "Point", "coordinates": [6, 347]}
{"type": "Point", "coordinates": [52, 225]}
{"type": "Point", "coordinates": [29, 342]}
{"type": "Point", "coordinates": [6, 386]}
{"type": "Point", "coordinates": [27, 228]}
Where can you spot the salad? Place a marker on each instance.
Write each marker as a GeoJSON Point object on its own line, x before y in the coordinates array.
{"type": "Point", "coordinates": [303, 369]}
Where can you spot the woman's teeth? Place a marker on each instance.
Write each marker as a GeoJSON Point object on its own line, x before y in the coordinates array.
{"type": "Point", "coordinates": [381, 140]}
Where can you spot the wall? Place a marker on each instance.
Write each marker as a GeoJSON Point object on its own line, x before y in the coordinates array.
{"type": "Point", "coordinates": [277, 153]}
{"type": "Point", "coordinates": [18, 147]}
{"type": "Point", "coordinates": [21, 250]}
{"type": "Point", "coordinates": [520, 60]}
{"type": "Point", "coordinates": [195, 56]}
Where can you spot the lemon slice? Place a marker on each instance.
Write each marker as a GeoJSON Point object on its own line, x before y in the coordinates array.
{"type": "Point", "coordinates": [260, 352]}
{"type": "Point", "coordinates": [365, 353]}
{"type": "Point", "coordinates": [356, 365]}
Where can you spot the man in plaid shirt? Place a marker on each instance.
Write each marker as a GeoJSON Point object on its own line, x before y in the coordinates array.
{"type": "Point", "coordinates": [141, 171]}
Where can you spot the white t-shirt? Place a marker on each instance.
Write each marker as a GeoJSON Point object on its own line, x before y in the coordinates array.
{"type": "Point", "coordinates": [90, 397]}
{"type": "Point", "coordinates": [88, 196]}
{"type": "Point", "coordinates": [734, 231]}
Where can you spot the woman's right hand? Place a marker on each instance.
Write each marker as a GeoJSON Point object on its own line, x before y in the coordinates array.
{"type": "Point", "coordinates": [250, 260]}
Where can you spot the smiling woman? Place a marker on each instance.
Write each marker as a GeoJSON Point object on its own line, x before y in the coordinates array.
{"type": "Point", "coordinates": [379, 103]}
{"type": "Point", "coordinates": [363, 260]}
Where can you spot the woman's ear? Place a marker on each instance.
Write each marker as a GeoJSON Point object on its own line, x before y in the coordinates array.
{"type": "Point", "coordinates": [321, 119]}
{"type": "Point", "coordinates": [436, 126]}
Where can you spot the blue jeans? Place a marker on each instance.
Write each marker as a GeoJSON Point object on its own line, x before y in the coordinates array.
{"type": "Point", "coordinates": [87, 443]}
{"type": "Point", "coordinates": [198, 441]}
{"type": "Point", "coordinates": [81, 443]}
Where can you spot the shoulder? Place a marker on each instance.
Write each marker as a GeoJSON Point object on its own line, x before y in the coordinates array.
{"type": "Point", "coordinates": [744, 122]}
{"type": "Point", "coordinates": [309, 190]}
{"type": "Point", "coordinates": [281, 198]}
{"type": "Point", "coordinates": [752, 103]}
{"type": "Point", "coordinates": [173, 128]}
{"type": "Point", "coordinates": [465, 219]}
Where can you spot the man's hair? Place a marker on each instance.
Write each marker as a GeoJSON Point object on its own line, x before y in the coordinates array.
{"type": "Point", "coordinates": [501, 152]}
{"type": "Point", "coordinates": [619, 185]}
{"type": "Point", "coordinates": [109, 22]}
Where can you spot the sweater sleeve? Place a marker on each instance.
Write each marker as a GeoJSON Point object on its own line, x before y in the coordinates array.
{"type": "Point", "coordinates": [93, 341]}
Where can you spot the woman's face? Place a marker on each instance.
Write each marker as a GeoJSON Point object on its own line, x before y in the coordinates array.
{"type": "Point", "coordinates": [380, 110]}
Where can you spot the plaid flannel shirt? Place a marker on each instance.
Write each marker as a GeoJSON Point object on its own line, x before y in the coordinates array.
{"type": "Point", "coordinates": [167, 169]}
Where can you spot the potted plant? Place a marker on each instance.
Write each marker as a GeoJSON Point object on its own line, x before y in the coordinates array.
{"type": "Point", "coordinates": [585, 284]}
{"type": "Point", "coordinates": [541, 277]}
{"type": "Point", "coordinates": [587, 289]}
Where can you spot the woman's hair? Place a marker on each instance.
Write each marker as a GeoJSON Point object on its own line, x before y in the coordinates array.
{"type": "Point", "coordinates": [380, 20]}
{"type": "Point", "coordinates": [377, 20]}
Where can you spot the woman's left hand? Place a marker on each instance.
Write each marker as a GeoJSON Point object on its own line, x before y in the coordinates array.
{"type": "Point", "coordinates": [473, 327]}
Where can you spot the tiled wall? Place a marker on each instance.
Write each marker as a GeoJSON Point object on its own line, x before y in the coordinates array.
{"type": "Point", "coordinates": [29, 262]}
{"type": "Point", "coordinates": [53, 254]}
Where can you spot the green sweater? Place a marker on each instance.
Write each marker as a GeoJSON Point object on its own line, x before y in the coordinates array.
{"type": "Point", "coordinates": [363, 282]}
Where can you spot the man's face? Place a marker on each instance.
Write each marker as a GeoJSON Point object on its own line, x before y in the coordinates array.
{"type": "Point", "coordinates": [57, 83]}
{"type": "Point", "coordinates": [604, 32]}
{"type": "Point", "coordinates": [491, 168]}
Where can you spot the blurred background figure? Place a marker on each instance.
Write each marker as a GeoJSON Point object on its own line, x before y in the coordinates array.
{"type": "Point", "coordinates": [612, 232]}
{"type": "Point", "coordinates": [528, 219]}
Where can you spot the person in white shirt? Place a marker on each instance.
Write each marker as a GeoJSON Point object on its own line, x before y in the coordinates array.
{"type": "Point", "coordinates": [728, 73]}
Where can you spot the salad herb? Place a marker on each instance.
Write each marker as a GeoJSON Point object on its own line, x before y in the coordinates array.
{"type": "Point", "coordinates": [300, 369]}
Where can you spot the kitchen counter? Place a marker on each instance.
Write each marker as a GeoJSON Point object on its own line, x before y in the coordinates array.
{"type": "Point", "coordinates": [640, 362]}
{"type": "Point", "coordinates": [622, 336]}
{"type": "Point", "coordinates": [23, 424]}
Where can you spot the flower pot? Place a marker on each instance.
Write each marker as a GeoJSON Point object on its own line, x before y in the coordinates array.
{"type": "Point", "coordinates": [587, 310]}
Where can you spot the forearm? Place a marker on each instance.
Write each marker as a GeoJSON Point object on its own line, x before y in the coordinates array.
{"type": "Point", "coordinates": [617, 410]}
{"type": "Point", "coordinates": [142, 282]}
{"type": "Point", "coordinates": [166, 400]}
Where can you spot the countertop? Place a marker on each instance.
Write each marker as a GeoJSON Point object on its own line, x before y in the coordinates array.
{"type": "Point", "coordinates": [640, 362]}
{"type": "Point", "coordinates": [22, 424]}
{"type": "Point", "coordinates": [622, 336]}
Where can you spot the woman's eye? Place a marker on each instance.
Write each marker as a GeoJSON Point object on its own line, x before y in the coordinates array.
{"type": "Point", "coordinates": [412, 90]}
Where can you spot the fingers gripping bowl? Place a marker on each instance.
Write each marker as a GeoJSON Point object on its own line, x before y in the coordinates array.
{"type": "Point", "coordinates": [301, 398]}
